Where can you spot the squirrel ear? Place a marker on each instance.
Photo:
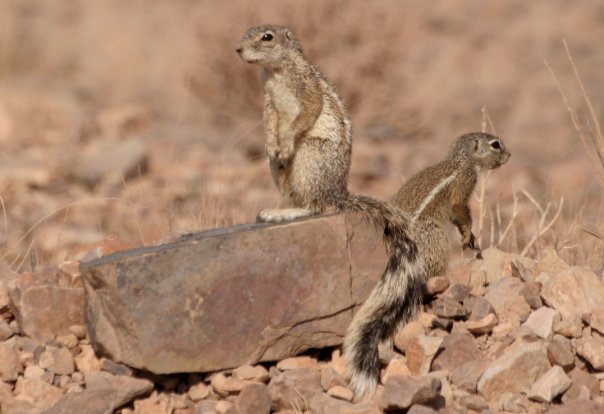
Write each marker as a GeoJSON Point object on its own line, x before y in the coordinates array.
{"type": "Point", "coordinates": [476, 145]}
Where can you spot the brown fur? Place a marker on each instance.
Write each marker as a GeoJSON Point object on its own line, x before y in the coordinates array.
{"type": "Point", "coordinates": [454, 178]}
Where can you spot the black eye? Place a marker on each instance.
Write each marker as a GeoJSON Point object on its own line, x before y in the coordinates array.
{"type": "Point", "coordinates": [267, 37]}
{"type": "Point", "coordinates": [496, 145]}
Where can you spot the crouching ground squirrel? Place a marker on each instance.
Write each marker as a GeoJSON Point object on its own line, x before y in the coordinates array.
{"type": "Point", "coordinates": [432, 198]}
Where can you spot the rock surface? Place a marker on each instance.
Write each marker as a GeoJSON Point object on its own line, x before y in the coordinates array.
{"type": "Point", "coordinates": [573, 291]}
{"type": "Point", "coordinates": [515, 371]}
{"type": "Point", "coordinates": [401, 392]}
{"type": "Point", "coordinates": [216, 270]}
{"type": "Point", "coordinates": [550, 385]}
{"type": "Point", "coordinates": [45, 306]}
{"type": "Point", "coordinates": [446, 365]}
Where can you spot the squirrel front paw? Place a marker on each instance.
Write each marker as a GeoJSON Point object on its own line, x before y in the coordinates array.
{"type": "Point", "coordinates": [469, 242]}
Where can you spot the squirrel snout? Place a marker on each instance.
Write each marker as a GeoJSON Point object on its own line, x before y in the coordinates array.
{"type": "Point", "coordinates": [239, 50]}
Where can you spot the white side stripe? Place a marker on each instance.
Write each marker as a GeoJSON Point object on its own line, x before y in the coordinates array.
{"type": "Point", "coordinates": [432, 195]}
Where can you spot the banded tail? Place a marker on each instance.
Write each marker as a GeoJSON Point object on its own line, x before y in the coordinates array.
{"type": "Point", "coordinates": [394, 301]}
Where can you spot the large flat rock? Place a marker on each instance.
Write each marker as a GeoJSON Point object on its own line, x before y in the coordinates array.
{"type": "Point", "coordinates": [227, 297]}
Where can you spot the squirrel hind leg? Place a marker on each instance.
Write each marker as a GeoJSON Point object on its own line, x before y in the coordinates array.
{"type": "Point", "coordinates": [283, 215]}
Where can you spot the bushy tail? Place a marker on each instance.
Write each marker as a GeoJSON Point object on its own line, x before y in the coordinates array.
{"type": "Point", "coordinates": [384, 216]}
{"type": "Point", "coordinates": [394, 301]}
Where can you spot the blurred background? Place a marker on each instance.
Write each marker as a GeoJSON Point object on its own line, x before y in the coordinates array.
{"type": "Point", "coordinates": [125, 123]}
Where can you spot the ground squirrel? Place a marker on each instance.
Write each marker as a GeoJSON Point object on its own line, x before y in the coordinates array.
{"type": "Point", "coordinates": [309, 136]}
{"type": "Point", "coordinates": [432, 198]}
{"type": "Point", "coordinates": [309, 141]}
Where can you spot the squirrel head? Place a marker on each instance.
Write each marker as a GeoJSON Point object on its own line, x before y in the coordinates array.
{"type": "Point", "coordinates": [485, 151]}
{"type": "Point", "coordinates": [268, 45]}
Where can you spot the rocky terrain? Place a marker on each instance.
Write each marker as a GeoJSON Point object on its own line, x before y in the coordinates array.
{"type": "Point", "coordinates": [503, 335]}
{"type": "Point", "coordinates": [124, 124]}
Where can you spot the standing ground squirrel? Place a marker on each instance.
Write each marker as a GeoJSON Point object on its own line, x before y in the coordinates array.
{"type": "Point", "coordinates": [309, 143]}
{"type": "Point", "coordinates": [309, 135]}
{"type": "Point", "coordinates": [432, 198]}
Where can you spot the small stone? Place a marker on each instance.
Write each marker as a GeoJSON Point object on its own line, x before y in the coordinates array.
{"type": "Point", "coordinates": [125, 388]}
{"type": "Point", "coordinates": [224, 386]}
{"type": "Point", "coordinates": [255, 373]}
{"type": "Point", "coordinates": [457, 292]}
{"type": "Point", "coordinates": [482, 326]}
{"type": "Point", "coordinates": [443, 323]}
{"type": "Point", "coordinates": [541, 322]}
{"type": "Point", "coordinates": [78, 330]}
{"type": "Point", "coordinates": [64, 363]}
{"type": "Point", "coordinates": [69, 340]}
{"type": "Point", "coordinates": [401, 392]}
{"type": "Point", "coordinates": [297, 363]}
{"type": "Point", "coordinates": [592, 349]}
{"type": "Point", "coordinates": [549, 386]}
{"type": "Point", "coordinates": [493, 264]}
{"type": "Point", "coordinates": [253, 399]}
{"type": "Point", "coordinates": [515, 371]}
{"type": "Point", "coordinates": [86, 360]}
{"type": "Point", "coordinates": [502, 330]}
{"type": "Point", "coordinates": [338, 363]}
{"type": "Point", "coordinates": [530, 293]}
{"type": "Point", "coordinates": [569, 326]}
{"type": "Point", "coordinates": [408, 331]}
{"type": "Point", "coordinates": [559, 352]}
{"type": "Point", "coordinates": [471, 401]}
{"type": "Point", "coordinates": [436, 285]}
{"type": "Point", "coordinates": [574, 290]}
{"type": "Point", "coordinates": [480, 309]}
{"type": "Point", "coordinates": [420, 352]}
{"type": "Point", "coordinates": [331, 378]}
{"type": "Point", "coordinates": [289, 388]}
{"type": "Point", "coordinates": [198, 392]}
{"type": "Point", "coordinates": [223, 407]}
{"type": "Point", "coordinates": [206, 407]}
{"type": "Point", "coordinates": [427, 319]}
{"type": "Point", "coordinates": [467, 375]}
{"type": "Point", "coordinates": [523, 270]}
{"type": "Point", "coordinates": [46, 359]}
{"type": "Point", "coordinates": [44, 308]}
{"type": "Point", "coordinates": [597, 320]}
{"type": "Point", "coordinates": [10, 363]}
{"type": "Point", "coordinates": [448, 308]}
{"type": "Point", "coordinates": [457, 349]}
{"type": "Point", "coordinates": [513, 403]}
{"type": "Point", "coordinates": [37, 392]}
{"type": "Point", "coordinates": [509, 305]}
{"type": "Point", "coordinates": [65, 382]}
{"type": "Point", "coordinates": [584, 385]}
{"type": "Point", "coordinates": [394, 368]}
{"type": "Point", "coordinates": [33, 372]}
{"type": "Point", "coordinates": [341, 393]}
{"type": "Point", "coordinates": [77, 377]}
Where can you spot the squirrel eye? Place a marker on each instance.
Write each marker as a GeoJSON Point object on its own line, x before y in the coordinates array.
{"type": "Point", "coordinates": [267, 37]}
{"type": "Point", "coordinates": [496, 145]}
